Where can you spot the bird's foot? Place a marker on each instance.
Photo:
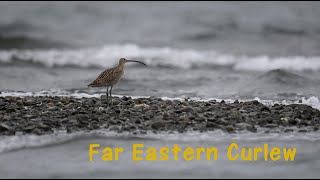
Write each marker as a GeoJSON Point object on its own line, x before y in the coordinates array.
{"type": "Point", "coordinates": [110, 102]}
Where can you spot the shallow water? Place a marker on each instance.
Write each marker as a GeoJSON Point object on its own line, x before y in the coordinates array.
{"type": "Point", "coordinates": [140, 81]}
{"type": "Point", "coordinates": [69, 157]}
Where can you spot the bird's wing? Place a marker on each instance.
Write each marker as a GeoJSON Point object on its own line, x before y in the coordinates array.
{"type": "Point", "coordinates": [105, 76]}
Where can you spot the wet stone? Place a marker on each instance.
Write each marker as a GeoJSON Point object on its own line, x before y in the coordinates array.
{"type": "Point", "coordinates": [251, 128]}
{"type": "Point", "coordinates": [40, 115]}
{"type": "Point", "coordinates": [288, 130]}
{"type": "Point", "coordinates": [29, 128]}
{"type": "Point", "coordinates": [302, 130]}
{"type": "Point", "coordinates": [293, 122]}
{"type": "Point", "coordinates": [114, 128]}
{"type": "Point", "coordinates": [73, 122]}
{"type": "Point", "coordinates": [229, 128]}
{"type": "Point", "coordinates": [53, 108]}
{"type": "Point", "coordinates": [125, 98]}
{"type": "Point", "coordinates": [36, 131]}
{"type": "Point", "coordinates": [157, 125]}
{"type": "Point", "coordinates": [256, 103]}
{"type": "Point", "coordinates": [4, 127]}
{"type": "Point", "coordinates": [271, 126]}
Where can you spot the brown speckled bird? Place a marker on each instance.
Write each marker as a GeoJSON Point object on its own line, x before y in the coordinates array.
{"type": "Point", "coordinates": [111, 77]}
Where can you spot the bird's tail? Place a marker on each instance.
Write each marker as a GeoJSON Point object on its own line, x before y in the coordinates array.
{"type": "Point", "coordinates": [94, 84]}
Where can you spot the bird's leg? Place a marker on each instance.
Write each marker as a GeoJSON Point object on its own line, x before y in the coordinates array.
{"type": "Point", "coordinates": [111, 95]}
{"type": "Point", "coordinates": [107, 93]}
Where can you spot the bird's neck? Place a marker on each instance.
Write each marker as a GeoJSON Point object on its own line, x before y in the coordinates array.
{"type": "Point", "coordinates": [120, 66]}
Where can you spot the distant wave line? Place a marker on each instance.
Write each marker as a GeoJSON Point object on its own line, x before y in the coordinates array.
{"type": "Point", "coordinates": [164, 57]}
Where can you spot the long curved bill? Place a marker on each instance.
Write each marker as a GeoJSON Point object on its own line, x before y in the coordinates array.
{"type": "Point", "coordinates": [136, 61]}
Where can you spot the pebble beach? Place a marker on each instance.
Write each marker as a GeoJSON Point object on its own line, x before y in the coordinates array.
{"type": "Point", "coordinates": [46, 115]}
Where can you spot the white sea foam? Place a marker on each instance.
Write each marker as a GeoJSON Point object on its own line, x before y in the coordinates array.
{"type": "Point", "coordinates": [312, 101]}
{"type": "Point", "coordinates": [163, 56]}
{"type": "Point", "coordinates": [56, 93]}
{"type": "Point", "coordinates": [265, 63]}
{"type": "Point", "coordinates": [8, 143]}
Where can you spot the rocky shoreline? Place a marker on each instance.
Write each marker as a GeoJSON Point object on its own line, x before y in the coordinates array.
{"type": "Point", "coordinates": [46, 115]}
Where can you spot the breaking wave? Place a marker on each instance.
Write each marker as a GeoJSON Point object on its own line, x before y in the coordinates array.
{"type": "Point", "coordinates": [108, 55]}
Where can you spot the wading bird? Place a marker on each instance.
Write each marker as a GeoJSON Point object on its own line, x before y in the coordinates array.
{"type": "Point", "coordinates": [111, 77]}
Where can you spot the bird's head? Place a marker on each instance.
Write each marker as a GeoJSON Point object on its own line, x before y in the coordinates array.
{"type": "Point", "coordinates": [123, 61]}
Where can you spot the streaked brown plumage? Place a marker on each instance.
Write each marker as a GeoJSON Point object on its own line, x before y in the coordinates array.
{"type": "Point", "coordinates": [111, 77]}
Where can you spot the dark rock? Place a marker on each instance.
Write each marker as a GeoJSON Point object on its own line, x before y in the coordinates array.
{"type": "Point", "coordinates": [53, 108]}
{"type": "Point", "coordinates": [223, 122]}
{"type": "Point", "coordinates": [293, 122]}
{"type": "Point", "coordinates": [272, 126]}
{"type": "Point", "coordinates": [29, 103]}
{"type": "Point", "coordinates": [11, 109]}
{"type": "Point", "coordinates": [137, 122]}
{"type": "Point", "coordinates": [95, 125]}
{"type": "Point", "coordinates": [82, 118]}
{"type": "Point", "coordinates": [19, 103]}
{"type": "Point", "coordinates": [229, 128]}
{"type": "Point", "coordinates": [116, 102]}
{"type": "Point", "coordinates": [65, 120]}
{"type": "Point", "coordinates": [69, 129]}
{"type": "Point", "coordinates": [251, 128]}
{"type": "Point", "coordinates": [74, 122]}
{"type": "Point", "coordinates": [211, 119]}
{"type": "Point", "coordinates": [288, 130]}
{"type": "Point", "coordinates": [265, 108]}
{"type": "Point", "coordinates": [157, 125]}
{"type": "Point", "coordinates": [125, 98]}
{"type": "Point", "coordinates": [118, 111]}
{"type": "Point", "coordinates": [255, 102]}
{"type": "Point", "coordinates": [44, 127]}
{"type": "Point", "coordinates": [302, 130]}
{"type": "Point", "coordinates": [212, 125]}
{"type": "Point", "coordinates": [37, 131]}
{"type": "Point", "coordinates": [302, 123]}
{"type": "Point", "coordinates": [143, 132]}
{"type": "Point", "coordinates": [187, 109]}
{"type": "Point", "coordinates": [114, 128]}
{"type": "Point", "coordinates": [4, 127]}
{"type": "Point", "coordinates": [29, 128]}
{"type": "Point", "coordinates": [268, 120]}
{"type": "Point", "coordinates": [181, 130]}
{"type": "Point", "coordinates": [132, 128]}
{"type": "Point", "coordinates": [2, 103]}
{"type": "Point", "coordinates": [177, 111]}
{"type": "Point", "coordinates": [165, 116]}
{"type": "Point", "coordinates": [200, 119]}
